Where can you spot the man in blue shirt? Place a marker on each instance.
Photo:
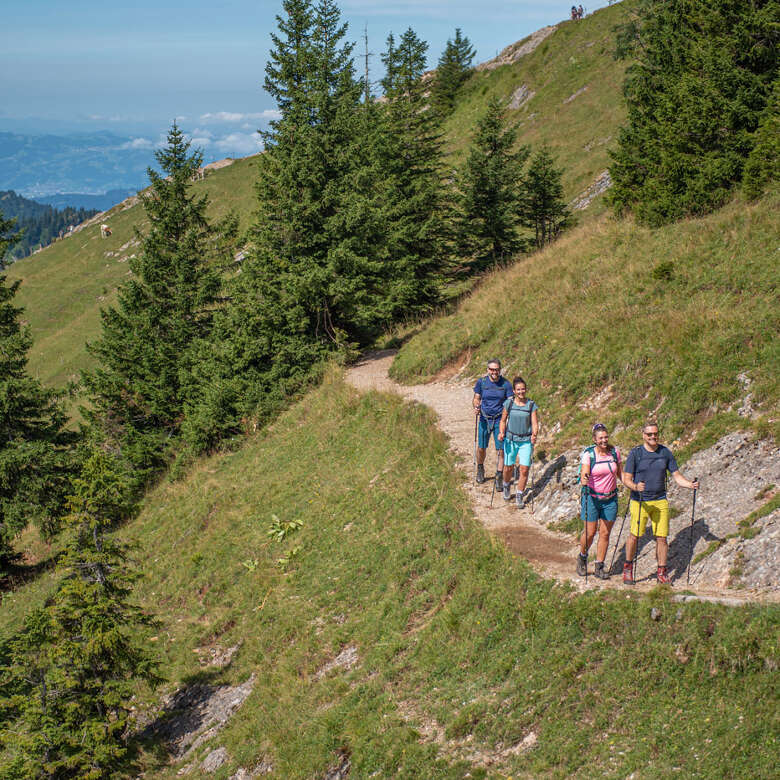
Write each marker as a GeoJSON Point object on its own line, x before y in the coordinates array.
{"type": "Point", "coordinates": [490, 392]}
{"type": "Point", "coordinates": [645, 476]}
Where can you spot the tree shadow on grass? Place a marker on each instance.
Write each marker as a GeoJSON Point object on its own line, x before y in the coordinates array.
{"type": "Point", "coordinates": [15, 574]}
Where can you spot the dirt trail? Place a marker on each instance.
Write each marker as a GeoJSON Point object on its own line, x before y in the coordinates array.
{"type": "Point", "coordinates": [551, 554]}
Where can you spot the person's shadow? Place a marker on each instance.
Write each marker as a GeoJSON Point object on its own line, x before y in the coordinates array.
{"type": "Point", "coordinates": [681, 550]}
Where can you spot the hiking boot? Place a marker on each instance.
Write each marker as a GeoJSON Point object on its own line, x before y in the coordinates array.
{"type": "Point", "coordinates": [507, 494]}
{"type": "Point", "coordinates": [662, 576]}
{"type": "Point", "coordinates": [582, 565]}
{"type": "Point", "coordinates": [480, 473]}
{"type": "Point", "coordinates": [628, 574]}
{"type": "Point", "coordinates": [519, 499]}
{"type": "Point", "coordinates": [601, 572]}
{"type": "Point", "coordinates": [499, 481]}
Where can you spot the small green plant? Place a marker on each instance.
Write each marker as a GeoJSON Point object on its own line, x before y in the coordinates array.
{"type": "Point", "coordinates": [663, 272]}
{"type": "Point", "coordinates": [711, 548]}
{"type": "Point", "coordinates": [764, 492]}
{"type": "Point", "coordinates": [250, 564]}
{"type": "Point", "coordinates": [279, 530]}
{"type": "Point", "coordinates": [285, 561]}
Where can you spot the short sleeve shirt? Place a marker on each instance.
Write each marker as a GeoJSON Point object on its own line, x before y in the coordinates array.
{"type": "Point", "coordinates": [603, 475]}
{"type": "Point", "coordinates": [650, 468]}
{"type": "Point", "coordinates": [493, 395]}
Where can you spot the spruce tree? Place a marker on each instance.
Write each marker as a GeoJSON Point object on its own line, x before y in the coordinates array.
{"type": "Point", "coordinates": [543, 209]}
{"type": "Point", "coordinates": [408, 172]}
{"type": "Point", "coordinates": [310, 283]}
{"type": "Point", "coordinates": [36, 459]}
{"type": "Point", "coordinates": [139, 388]}
{"type": "Point", "coordinates": [74, 667]}
{"type": "Point", "coordinates": [490, 185]}
{"type": "Point", "coordinates": [701, 77]}
{"type": "Point", "coordinates": [453, 69]}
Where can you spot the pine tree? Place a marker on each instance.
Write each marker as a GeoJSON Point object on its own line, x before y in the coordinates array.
{"type": "Point", "coordinates": [702, 75]}
{"type": "Point", "coordinates": [453, 69]}
{"type": "Point", "coordinates": [408, 173]}
{"type": "Point", "coordinates": [74, 668]}
{"type": "Point", "coordinates": [544, 209]}
{"type": "Point", "coordinates": [490, 185]}
{"type": "Point", "coordinates": [35, 456]}
{"type": "Point", "coordinates": [139, 389]}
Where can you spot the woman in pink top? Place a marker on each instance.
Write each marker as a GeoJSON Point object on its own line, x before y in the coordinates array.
{"type": "Point", "coordinates": [599, 477]}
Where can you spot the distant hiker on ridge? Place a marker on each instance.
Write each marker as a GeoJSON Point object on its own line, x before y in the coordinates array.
{"type": "Point", "coordinates": [490, 392]}
{"type": "Point", "coordinates": [600, 471]}
{"type": "Point", "coordinates": [518, 429]}
{"type": "Point", "coordinates": [645, 477]}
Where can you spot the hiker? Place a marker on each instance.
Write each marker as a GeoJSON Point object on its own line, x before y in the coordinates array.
{"type": "Point", "coordinates": [574, 13]}
{"type": "Point", "coordinates": [490, 392]}
{"type": "Point", "coordinates": [518, 429]}
{"type": "Point", "coordinates": [600, 471]}
{"type": "Point", "coordinates": [580, 12]}
{"type": "Point", "coordinates": [645, 476]}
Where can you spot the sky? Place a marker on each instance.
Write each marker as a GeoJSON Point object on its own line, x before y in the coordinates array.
{"type": "Point", "coordinates": [131, 68]}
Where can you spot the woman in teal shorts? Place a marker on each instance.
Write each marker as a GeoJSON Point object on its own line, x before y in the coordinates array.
{"type": "Point", "coordinates": [601, 470]}
{"type": "Point", "coordinates": [518, 429]}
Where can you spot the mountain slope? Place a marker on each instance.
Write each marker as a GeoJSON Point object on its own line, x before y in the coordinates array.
{"type": "Point", "coordinates": [401, 640]}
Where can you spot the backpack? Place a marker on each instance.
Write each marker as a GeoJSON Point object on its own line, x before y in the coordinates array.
{"type": "Point", "coordinates": [591, 450]}
{"type": "Point", "coordinates": [520, 435]}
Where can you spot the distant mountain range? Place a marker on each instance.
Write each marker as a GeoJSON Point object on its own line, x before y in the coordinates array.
{"type": "Point", "coordinates": [39, 166]}
{"type": "Point", "coordinates": [79, 200]}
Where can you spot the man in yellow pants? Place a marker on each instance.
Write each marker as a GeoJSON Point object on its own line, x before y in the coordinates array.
{"type": "Point", "coordinates": [645, 475]}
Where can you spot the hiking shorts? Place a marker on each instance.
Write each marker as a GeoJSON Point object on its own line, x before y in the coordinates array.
{"type": "Point", "coordinates": [485, 427]}
{"type": "Point", "coordinates": [519, 452]}
{"type": "Point", "coordinates": [658, 513]}
{"type": "Point", "coordinates": [594, 508]}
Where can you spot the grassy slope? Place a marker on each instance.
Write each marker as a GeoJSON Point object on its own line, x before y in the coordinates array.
{"type": "Point", "coordinates": [446, 622]}
{"type": "Point", "coordinates": [587, 312]}
{"type": "Point", "coordinates": [65, 285]}
{"type": "Point", "coordinates": [577, 55]}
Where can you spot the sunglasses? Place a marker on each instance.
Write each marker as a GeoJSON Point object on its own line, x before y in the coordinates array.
{"type": "Point", "coordinates": [651, 435]}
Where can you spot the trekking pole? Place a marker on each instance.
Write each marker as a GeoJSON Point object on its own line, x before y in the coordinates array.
{"type": "Point", "coordinates": [585, 523]}
{"type": "Point", "coordinates": [492, 430]}
{"type": "Point", "coordinates": [620, 533]}
{"type": "Point", "coordinates": [476, 425]}
{"type": "Point", "coordinates": [690, 539]}
{"type": "Point", "coordinates": [638, 526]}
{"type": "Point", "coordinates": [532, 482]}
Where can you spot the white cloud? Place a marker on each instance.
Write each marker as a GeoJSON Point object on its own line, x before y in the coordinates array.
{"type": "Point", "coordinates": [239, 143]}
{"type": "Point", "coordinates": [200, 141]}
{"type": "Point", "coordinates": [233, 116]}
{"type": "Point", "coordinates": [138, 143]}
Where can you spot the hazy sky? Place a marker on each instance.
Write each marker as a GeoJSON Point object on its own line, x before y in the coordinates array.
{"type": "Point", "coordinates": [133, 67]}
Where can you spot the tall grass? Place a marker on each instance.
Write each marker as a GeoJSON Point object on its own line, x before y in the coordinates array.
{"type": "Point", "coordinates": [669, 317]}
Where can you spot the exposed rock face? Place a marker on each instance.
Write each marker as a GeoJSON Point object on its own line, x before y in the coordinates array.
{"type": "Point", "coordinates": [521, 96]}
{"type": "Point", "coordinates": [584, 199]}
{"type": "Point", "coordinates": [195, 714]}
{"type": "Point", "coordinates": [516, 51]}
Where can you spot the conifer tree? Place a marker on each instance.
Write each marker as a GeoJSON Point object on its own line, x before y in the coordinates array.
{"type": "Point", "coordinates": [453, 69]}
{"type": "Point", "coordinates": [490, 185]}
{"type": "Point", "coordinates": [74, 667]}
{"type": "Point", "coordinates": [701, 76]}
{"type": "Point", "coordinates": [415, 209]}
{"type": "Point", "coordinates": [35, 456]}
{"type": "Point", "coordinates": [139, 388]}
{"type": "Point", "coordinates": [543, 208]}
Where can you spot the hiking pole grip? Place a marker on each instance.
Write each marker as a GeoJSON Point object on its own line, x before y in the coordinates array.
{"type": "Point", "coordinates": [690, 537]}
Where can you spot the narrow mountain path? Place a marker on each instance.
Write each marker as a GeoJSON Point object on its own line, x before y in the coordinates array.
{"type": "Point", "coordinates": [551, 554]}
